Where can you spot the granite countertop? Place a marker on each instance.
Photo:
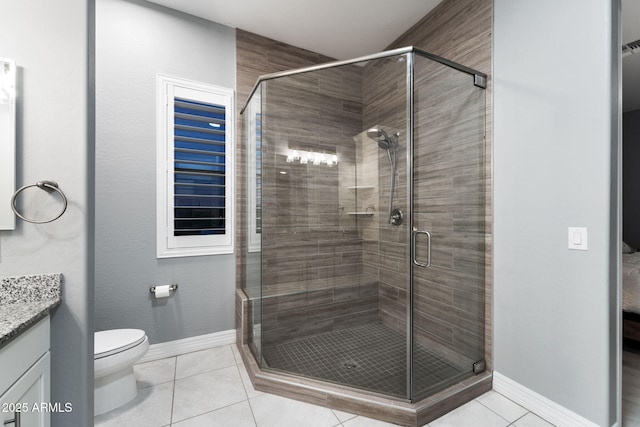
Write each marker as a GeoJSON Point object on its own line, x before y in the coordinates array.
{"type": "Point", "coordinates": [24, 300]}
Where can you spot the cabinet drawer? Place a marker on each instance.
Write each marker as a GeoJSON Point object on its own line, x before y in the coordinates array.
{"type": "Point", "coordinates": [22, 352]}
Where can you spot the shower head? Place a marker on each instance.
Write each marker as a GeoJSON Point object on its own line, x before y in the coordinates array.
{"type": "Point", "coordinates": [381, 137]}
{"type": "Point", "coordinates": [385, 142]}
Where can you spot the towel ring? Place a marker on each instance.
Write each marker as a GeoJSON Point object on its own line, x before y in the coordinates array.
{"type": "Point", "coordinates": [48, 186]}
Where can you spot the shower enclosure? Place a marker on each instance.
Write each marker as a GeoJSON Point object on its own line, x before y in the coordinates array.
{"type": "Point", "coordinates": [366, 223]}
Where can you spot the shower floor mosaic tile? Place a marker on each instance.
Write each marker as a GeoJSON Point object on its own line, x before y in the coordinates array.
{"type": "Point", "coordinates": [371, 356]}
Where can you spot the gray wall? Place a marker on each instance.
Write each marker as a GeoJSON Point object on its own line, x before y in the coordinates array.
{"type": "Point", "coordinates": [134, 41]}
{"type": "Point", "coordinates": [631, 178]}
{"type": "Point", "coordinates": [555, 124]}
{"type": "Point", "coordinates": [51, 42]}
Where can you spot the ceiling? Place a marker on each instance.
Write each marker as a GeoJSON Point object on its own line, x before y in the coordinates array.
{"type": "Point", "coordinates": [340, 29]}
{"type": "Point", "coordinates": [345, 29]}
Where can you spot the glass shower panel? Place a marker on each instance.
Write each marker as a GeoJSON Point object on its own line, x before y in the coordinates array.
{"type": "Point", "coordinates": [448, 226]}
{"type": "Point", "coordinates": [325, 195]}
{"type": "Point", "coordinates": [253, 271]}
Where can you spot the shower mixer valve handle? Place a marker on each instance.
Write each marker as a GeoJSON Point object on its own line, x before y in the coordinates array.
{"type": "Point", "coordinates": [396, 217]}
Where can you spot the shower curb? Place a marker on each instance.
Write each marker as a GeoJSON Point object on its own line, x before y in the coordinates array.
{"type": "Point", "coordinates": [346, 399]}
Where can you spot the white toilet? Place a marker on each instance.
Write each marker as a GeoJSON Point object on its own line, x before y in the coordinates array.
{"type": "Point", "coordinates": [115, 352]}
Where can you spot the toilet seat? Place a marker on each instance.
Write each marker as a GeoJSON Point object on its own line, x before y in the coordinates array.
{"type": "Point", "coordinates": [108, 343]}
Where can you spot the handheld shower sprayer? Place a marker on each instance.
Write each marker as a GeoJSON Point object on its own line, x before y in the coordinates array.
{"type": "Point", "coordinates": [389, 143]}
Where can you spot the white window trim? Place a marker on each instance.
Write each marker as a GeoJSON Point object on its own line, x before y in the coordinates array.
{"type": "Point", "coordinates": [168, 245]}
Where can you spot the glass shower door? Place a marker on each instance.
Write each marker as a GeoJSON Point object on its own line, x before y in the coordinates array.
{"type": "Point", "coordinates": [448, 227]}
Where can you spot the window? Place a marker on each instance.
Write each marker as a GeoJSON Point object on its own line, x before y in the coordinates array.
{"type": "Point", "coordinates": [195, 168]}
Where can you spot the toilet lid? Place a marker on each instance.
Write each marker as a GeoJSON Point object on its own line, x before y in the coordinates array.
{"type": "Point", "coordinates": [114, 341]}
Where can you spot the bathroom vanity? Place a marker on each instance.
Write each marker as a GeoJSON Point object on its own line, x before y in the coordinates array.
{"type": "Point", "coordinates": [25, 378]}
{"type": "Point", "coordinates": [25, 368]}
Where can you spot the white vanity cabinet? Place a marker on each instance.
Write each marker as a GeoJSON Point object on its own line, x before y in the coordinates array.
{"type": "Point", "coordinates": [25, 377]}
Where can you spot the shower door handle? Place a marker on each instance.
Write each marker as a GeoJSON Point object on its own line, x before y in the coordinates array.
{"type": "Point", "coordinates": [414, 235]}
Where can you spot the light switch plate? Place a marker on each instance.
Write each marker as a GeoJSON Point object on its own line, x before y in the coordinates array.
{"type": "Point", "coordinates": [578, 238]}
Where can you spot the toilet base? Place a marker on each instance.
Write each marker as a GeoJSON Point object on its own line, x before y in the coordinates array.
{"type": "Point", "coordinates": [114, 390]}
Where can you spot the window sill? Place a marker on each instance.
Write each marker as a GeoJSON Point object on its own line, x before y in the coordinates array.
{"type": "Point", "coordinates": [189, 252]}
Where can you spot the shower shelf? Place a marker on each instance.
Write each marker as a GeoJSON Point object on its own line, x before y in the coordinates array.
{"type": "Point", "coordinates": [361, 187]}
{"type": "Point", "coordinates": [360, 213]}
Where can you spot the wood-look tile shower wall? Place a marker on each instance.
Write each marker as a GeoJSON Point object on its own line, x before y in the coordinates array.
{"type": "Point", "coordinates": [311, 249]}
{"type": "Point", "coordinates": [385, 248]}
{"type": "Point", "coordinates": [255, 56]}
{"type": "Point", "coordinates": [459, 30]}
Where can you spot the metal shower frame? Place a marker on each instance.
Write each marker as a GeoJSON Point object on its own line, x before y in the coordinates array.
{"type": "Point", "coordinates": [479, 80]}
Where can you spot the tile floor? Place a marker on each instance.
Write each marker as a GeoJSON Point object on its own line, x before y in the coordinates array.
{"type": "Point", "coordinates": [211, 388]}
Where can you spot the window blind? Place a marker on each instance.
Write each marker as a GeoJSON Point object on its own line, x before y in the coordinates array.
{"type": "Point", "coordinates": [199, 168]}
{"type": "Point", "coordinates": [258, 173]}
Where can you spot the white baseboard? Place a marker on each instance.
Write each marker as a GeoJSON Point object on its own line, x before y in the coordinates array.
{"type": "Point", "coordinates": [187, 345]}
{"type": "Point", "coordinates": [538, 404]}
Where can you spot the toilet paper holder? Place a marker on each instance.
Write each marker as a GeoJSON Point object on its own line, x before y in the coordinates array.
{"type": "Point", "coordinates": [172, 288]}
